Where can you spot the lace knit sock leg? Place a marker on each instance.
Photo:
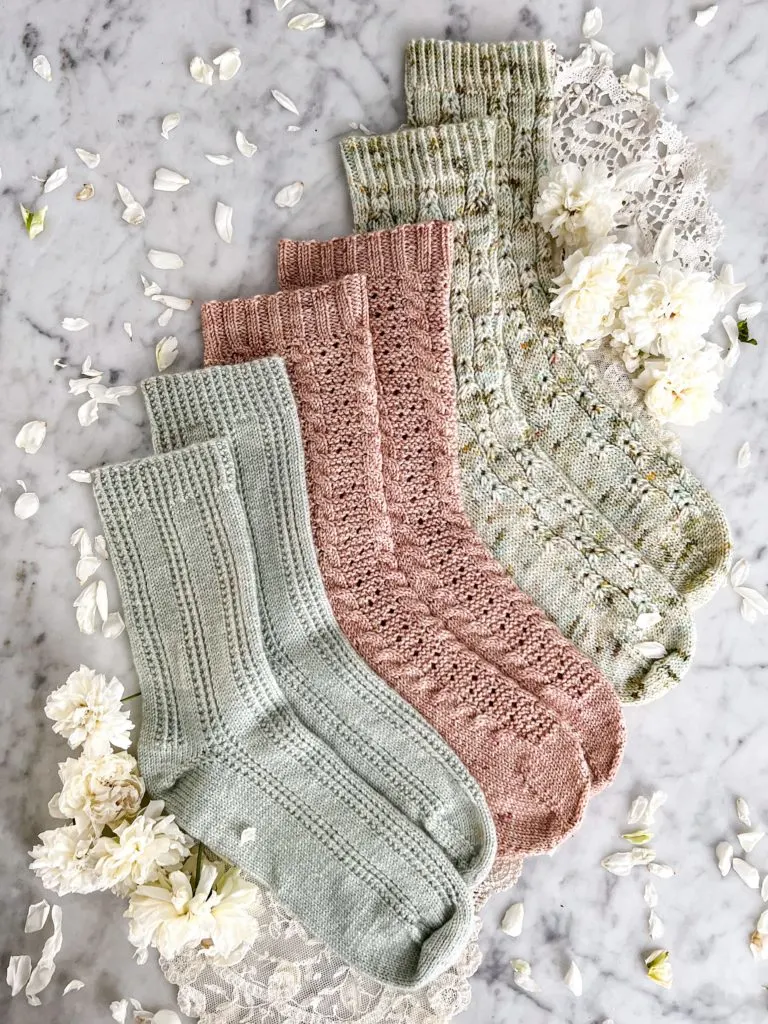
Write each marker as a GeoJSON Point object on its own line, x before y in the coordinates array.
{"type": "Point", "coordinates": [220, 745]}
{"type": "Point", "coordinates": [408, 272]}
{"type": "Point", "coordinates": [331, 689]}
{"type": "Point", "coordinates": [611, 454]}
{"type": "Point", "coordinates": [530, 768]}
{"type": "Point", "coordinates": [566, 556]}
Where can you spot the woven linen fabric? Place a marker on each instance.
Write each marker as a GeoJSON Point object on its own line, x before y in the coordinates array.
{"type": "Point", "coordinates": [408, 272]}
{"type": "Point", "coordinates": [604, 597]}
{"type": "Point", "coordinates": [221, 746]}
{"type": "Point", "coordinates": [331, 689]}
{"type": "Point", "coordinates": [529, 766]}
{"type": "Point", "coordinates": [609, 453]}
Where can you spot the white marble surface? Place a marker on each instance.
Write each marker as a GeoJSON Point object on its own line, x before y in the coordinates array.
{"type": "Point", "coordinates": [118, 67]}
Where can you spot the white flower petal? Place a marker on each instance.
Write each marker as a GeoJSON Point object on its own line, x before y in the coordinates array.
{"type": "Point", "coordinates": [661, 870]}
{"type": "Point", "coordinates": [638, 811]}
{"type": "Point", "coordinates": [37, 915]}
{"type": "Point", "coordinates": [43, 970]}
{"type": "Point", "coordinates": [647, 620]}
{"type": "Point", "coordinates": [650, 895]}
{"type": "Point", "coordinates": [170, 121]}
{"type": "Point", "coordinates": [512, 922]}
{"type": "Point", "coordinates": [228, 63]}
{"type": "Point", "coordinates": [166, 1017]}
{"type": "Point", "coordinates": [56, 179]}
{"type": "Point", "coordinates": [18, 972]}
{"type": "Point", "coordinates": [246, 148]}
{"type": "Point", "coordinates": [744, 457]}
{"type": "Point", "coordinates": [672, 94]}
{"type": "Point", "coordinates": [80, 476]}
{"type": "Point", "coordinates": [26, 505]}
{"type": "Point", "coordinates": [290, 195]}
{"type": "Point", "coordinates": [764, 890]}
{"type": "Point", "coordinates": [222, 220]}
{"type": "Point", "coordinates": [102, 603]}
{"type": "Point", "coordinates": [280, 4]}
{"type": "Point", "coordinates": [173, 302]}
{"type": "Point", "coordinates": [73, 986]}
{"type": "Point", "coordinates": [593, 23]}
{"type": "Point", "coordinates": [31, 436]}
{"type": "Point", "coordinates": [165, 260]}
{"type": "Point", "coordinates": [285, 101]}
{"type": "Point", "coordinates": [74, 323]}
{"type": "Point", "coordinates": [150, 287]}
{"type": "Point", "coordinates": [748, 310]}
{"type": "Point", "coordinates": [133, 213]}
{"type": "Point", "coordinates": [85, 193]}
{"type": "Point", "coordinates": [86, 567]}
{"type": "Point", "coordinates": [734, 350]}
{"type": "Point", "coordinates": [651, 649]}
{"type": "Point", "coordinates": [166, 351]}
{"type": "Point", "coordinates": [88, 412]}
{"type": "Point", "coordinates": [742, 807]}
{"type": "Point", "coordinates": [249, 835]}
{"type": "Point", "coordinates": [749, 874]}
{"type": "Point", "coordinates": [220, 159]}
{"type": "Point", "coordinates": [112, 626]}
{"type": "Point", "coordinates": [620, 863]}
{"type": "Point", "coordinates": [165, 317]}
{"type": "Point", "coordinates": [128, 328]}
{"type": "Point", "coordinates": [119, 1010]}
{"type": "Point", "coordinates": [522, 976]}
{"type": "Point", "coordinates": [749, 840]}
{"type": "Point", "coordinates": [91, 160]}
{"type": "Point", "coordinates": [748, 612]}
{"type": "Point", "coordinates": [724, 855]}
{"type": "Point", "coordinates": [754, 598]}
{"type": "Point", "coordinates": [303, 22]}
{"type": "Point", "coordinates": [200, 71]}
{"type": "Point", "coordinates": [573, 979]}
{"type": "Point", "coordinates": [706, 15]}
{"type": "Point", "coordinates": [85, 609]}
{"type": "Point", "coordinates": [167, 180]}
{"type": "Point", "coordinates": [42, 66]}
{"type": "Point", "coordinates": [655, 926]}
{"type": "Point", "coordinates": [293, 128]}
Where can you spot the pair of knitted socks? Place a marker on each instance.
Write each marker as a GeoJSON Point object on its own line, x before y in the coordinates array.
{"type": "Point", "coordinates": [257, 712]}
{"type": "Point", "coordinates": [575, 497]}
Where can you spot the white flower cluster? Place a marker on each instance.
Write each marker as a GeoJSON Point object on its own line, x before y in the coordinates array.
{"type": "Point", "coordinates": [115, 841]}
{"type": "Point", "coordinates": [650, 310]}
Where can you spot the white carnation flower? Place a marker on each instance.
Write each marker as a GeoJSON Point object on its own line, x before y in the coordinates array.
{"type": "Point", "coordinates": [682, 390]}
{"type": "Point", "coordinates": [141, 851]}
{"type": "Point", "coordinates": [577, 205]}
{"type": "Point", "coordinates": [63, 861]}
{"type": "Point", "coordinates": [100, 790]}
{"type": "Point", "coordinates": [589, 291]}
{"type": "Point", "coordinates": [87, 710]}
{"type": "Point", "coordinates": [168, 915]}
{"type": "Point", "coordinates": [233, 928]}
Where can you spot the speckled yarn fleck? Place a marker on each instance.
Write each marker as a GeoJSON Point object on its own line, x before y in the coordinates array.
{"type": "Point", "coordinates": [221, 746]}
{"type": "Point", "coordinates": [529, 766]}
{"type": "Point", "coordinates": [408, 270]}
{"type": "Point", "coordinates": [612, 456]}
{"type": "Point", "coordinates": [558, 549]}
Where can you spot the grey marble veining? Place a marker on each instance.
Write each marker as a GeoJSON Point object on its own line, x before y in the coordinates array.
{"type": "Point", "coordinates": [118, 68]}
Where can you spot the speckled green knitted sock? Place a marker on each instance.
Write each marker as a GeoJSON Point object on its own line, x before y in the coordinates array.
{"type": "Point", "coordinates": [559, 549]}
{"type": "Point", "coordinates": [610, 454]}
{"type": "Point", "coordinates": [222, 747]}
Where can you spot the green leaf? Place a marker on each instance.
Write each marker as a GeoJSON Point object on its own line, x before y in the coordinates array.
{"type": "Point", "coordinates": [744, 338]}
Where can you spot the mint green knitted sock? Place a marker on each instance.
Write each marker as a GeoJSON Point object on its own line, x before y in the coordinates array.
{"type": "Point", "coordinates": [220, 745]}
{"type": "Point", "coordinates": [558, 548]}
{"type": "Point", "coordinates": [610, 453]}
{"type": "Point", "coordinates": [333, 692]}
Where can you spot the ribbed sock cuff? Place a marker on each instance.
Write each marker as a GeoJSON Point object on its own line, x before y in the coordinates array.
{"type": "Point", "coordinates": [159, 482]}
{"type": "Point", "coordinates": [266, 325]}
{"type": "Point", "coordinates": [214, 399]}
{"type": "Point", "coordinates": [492, 68]}
{"type": "Point", "coordinates": [412, 248]}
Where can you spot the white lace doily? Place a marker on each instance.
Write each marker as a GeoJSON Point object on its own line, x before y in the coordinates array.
{"type": "Point", "coordinates": [288, 977]}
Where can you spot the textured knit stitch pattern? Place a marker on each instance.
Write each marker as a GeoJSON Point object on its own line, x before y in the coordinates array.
{"type": "Point", "coordinates": [334, 693]}
{"type": "Point", "coordinates": [224, 750]}
{"type": "Point", "coordinates": [529, 766]}
{"type": "Point", "coordinates": [609, 453]}
{"type": "Point", "coordinates": [557, 548]}
{"type": "Point", "coordinates": [408, 270]}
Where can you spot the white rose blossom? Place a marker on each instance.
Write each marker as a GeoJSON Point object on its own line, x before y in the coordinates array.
{"type": "Point", "coordinates": [63, 861]}
{"type": "Point", "coordinates": [577, 205]}
{"type": "Point", "coordinates": [682, 390]}
{"type": "Point", "coordinates": [589, 291]}
{"type": "Point", "coordinates": [141, 851]}
{"type": "Point", "coordinates": [98, 791]}
{"type": "Point", "coordinates": [87, 710]}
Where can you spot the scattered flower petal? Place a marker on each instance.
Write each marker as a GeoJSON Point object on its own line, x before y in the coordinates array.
{"type": "Point", "coordinates": [285, 101]}
{"type": "Point", "coordinates": [672, 94]}
{"type": "Point", "coordinates": [56, 179]}
{"type": "Point", "coordinates": [80, 476]}
{"type": "Point", "coordinates": [73, 986]}
{"type": "Point", "coordinates": [522, 976]}
{"type": "Point", "coordinates": [74, 323]}
{"type": "Point", "coordinates": [128, 328]}
{"type": "Point", "coordinates": [764, 890]}
{"type": "Point", "coordinates": [167, 180]}
{"type": "Point", "coordinates": [651, 649]}
{"type": "Point", "coordinates": [753, 601]}
{"type": "Point", "coordinates": [744, 457]}
{"type": "Point", "coordinates": [749, 840]}
{"type": "Point", "coordinates": [165, 260]}
{"type": "Point", "coordinates": [724, 855]}
{"type": "Point", "coordinates": [638, 837]}
{"type": "Point", "coordinates": [165, 317]}
{"type": "Point", "coordinates": [748, 310]}
{"type": "Point", "coordinates": [18, 972]}
{"type": "Point", "coordinates": [88, 412]}
{"type": "Point", "coordinates": [166, 351]}
{"type": "Point", "coordinates": [661, 870]}
{"type": "Point", "coordinates": [228, 63]}
{"type": "Point", "coordinates": [655, 926]}
{"type": "Point", "coordinates": [31, 436]}
{"type": "Point", "coordinates": [112, 626]}
{"type": "Point", "coordinates": [173, 301]}
{"type": "Point", "coordinates": [293, 128]}
{"type": "Point", "coordinates": [749, 874]}
{"type": "Point", "coordinates": [574, 980]}
{"type": "Point", "coordinates": [290, 195]}
{"type": "Point", "coordinates": [650, 896]}
{"type": "Point", "coordinates": [512, 922]}
{"type": "Point", "coordinates": [133, 213]}
{"type": "Point", "coordinates": [34, 220]}
{"type": "Point", "coordinates": [659, 969]}
{"type": "Point", "coordinates": [303, 22]}
{"type": "Point", "coordinates": [27, 503]}
{"type": "Point", "coordinates": [249, 835]}
{"type": "Point", "coordinates": [43, 970]}
{"type": "Point", "coordinates": [42, 66]}
{"type": "Point", "coordinates": [200, 71]}
{"type": "Point", "coordinates": [706, 15]}
{"type": "Point", "coordinates": [638, 811]}
{"type": "Point", "coordinates": [246, 148]}
{"type": "Point", "coordinates": [222, 220]}
{"type": "Point", "coordinates": [280, 4]}
{"type": "Point", "coordinates": [220, 159]}
{"type": "Point", "coordinates": [647, 620]}
{"type": "Point", "coordinates": [86, 192]}
{"type": "Point", "coordinates": [742, 807]}
{"type": "Point", "coordinates": [37, 915]}
{"type": "Point", "coordinates": [91, 160]}
{"type": "Point", "coordinates": [150, 287]}
{"type": "Point", "coordinates": [170, 121]}
{"type": "Point", "coordinates": [593, 23]}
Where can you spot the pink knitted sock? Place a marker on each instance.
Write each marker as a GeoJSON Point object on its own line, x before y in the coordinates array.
{"type": "Point", "coordinates": [408, 273]}
{"type": "Point", "coordinates": [528, 764]}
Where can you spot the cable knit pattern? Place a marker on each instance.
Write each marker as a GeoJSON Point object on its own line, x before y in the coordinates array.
{"type": "Point", "coordinates": [529, 766]}
{"type": "Point", "coordinates": [612, 455]}
{"type": "Point", "coordinates": [565, 555]}
{"type": "Point", "coordinates": [408, 271]}
{"type": "Point", "coordinates": [334, 693]}
{"type": "Point", "coordinates": [382, 893]}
